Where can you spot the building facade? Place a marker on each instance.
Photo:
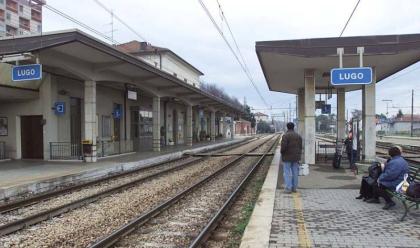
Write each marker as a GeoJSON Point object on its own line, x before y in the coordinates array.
{"type": "Point", "coordinates": [165, 60]}
{"type": "Point", "coordinates": [95, 101]}
{"type": "Point", "coordinates": [20, 17]}
{"type": "Point", "coordinates": [260, 117]}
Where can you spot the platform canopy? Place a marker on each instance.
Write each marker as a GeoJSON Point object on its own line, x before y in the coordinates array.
{"type": "Point", "coordinates": [62, 52]}
{"type": "Point", "coordinates": [283, 62]}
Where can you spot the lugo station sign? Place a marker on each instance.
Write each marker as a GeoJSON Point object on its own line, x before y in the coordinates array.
{"type": "Point", "coordinates": [349, 76]}
{"type": "Point", "coordinates": [27, 72]}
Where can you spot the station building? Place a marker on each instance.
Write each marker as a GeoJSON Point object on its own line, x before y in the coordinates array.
{"type": "Point", "coordinates": [302, 67]}
{"type": "Point", "coordinates": [110, 100]}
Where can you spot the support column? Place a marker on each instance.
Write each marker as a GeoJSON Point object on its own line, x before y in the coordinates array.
{"type": "Point", "coordinates": [90, 119]}
{"type": "Point", "coordinates": [189, 126]}
{"type": "Point", "coordinates": [198, 124]}
{"type": "Point", "coordinates": [341, 114]}
{"type": "Point", "coordinates": [156, 124]}
{"type": "Point", "coordinates": [301, 112]}
{"type": "Point", "coordinates": [309, 138]}
{"type": "Point", "coordinates": [369, 120]}
{"type": "Point", "coordinates": [213, 125]}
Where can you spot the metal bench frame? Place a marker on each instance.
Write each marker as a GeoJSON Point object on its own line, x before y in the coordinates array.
{"type": "Point", "coordinates": [407, 201]}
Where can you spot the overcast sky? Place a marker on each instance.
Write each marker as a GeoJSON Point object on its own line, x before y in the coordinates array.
{"type": "Point", "coordinates": [183, 27]}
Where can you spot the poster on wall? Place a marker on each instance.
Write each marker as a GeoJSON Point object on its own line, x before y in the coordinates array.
{"type": "Point", "coordinates": [3, 126]}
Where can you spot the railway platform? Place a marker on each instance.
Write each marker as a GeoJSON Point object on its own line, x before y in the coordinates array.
{"type": "Point", "coordinates": [19, 177]}
{"type": "Point", "coordinates": [325, 213]}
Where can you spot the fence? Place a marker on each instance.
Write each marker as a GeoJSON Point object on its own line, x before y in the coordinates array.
{"type": "Point", "coordinates": [2, 150]}
{"type": "Point", "coordinates": [109, 148]}
{"type": "Point", "coordinates": [65, 151]}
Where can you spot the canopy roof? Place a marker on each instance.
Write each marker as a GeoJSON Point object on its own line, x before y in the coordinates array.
{"type": "Point", "coordinates": [61, 52]}
{"type": "Point", "coordinates": [283, 62]}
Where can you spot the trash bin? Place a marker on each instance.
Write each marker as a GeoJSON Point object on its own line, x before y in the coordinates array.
{"type": "Point", "coordinates": [87, 148]}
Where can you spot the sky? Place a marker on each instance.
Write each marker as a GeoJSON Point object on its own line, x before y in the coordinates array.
{"type": "Point", "coordinates": [183, 27]}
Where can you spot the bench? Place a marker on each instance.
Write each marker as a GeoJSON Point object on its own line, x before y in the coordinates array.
{"type": "Point", "coordinates": [407, 201]}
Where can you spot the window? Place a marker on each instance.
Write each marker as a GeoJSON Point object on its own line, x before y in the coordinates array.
{"type": "Point", "coordinates": [106, 126]}
{"type": "Point", "coordinates": [39, 28]}
{"type": "Point", "coordinates": [146, 123]}
{"type": "Point", "coordinates": [8, 16]}
{"type": "Point", "coordinates": [1, 1]}
{"type": "Point", "coordinates": [21, 8]}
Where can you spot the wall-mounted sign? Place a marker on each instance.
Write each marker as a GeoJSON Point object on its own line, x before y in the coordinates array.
{"type": "Point", "coordinates": [117, 113]}
{"type": "Point", "coordinates": [60, 108]}
{"type": "Point", "coordinates": [26, 72]}
{"type": "Point", "coordinates": [132, 95]}
{"type": "Point", "coordinates": [349, 76]}
{"type": "Point", "coordinates": [326, 109]}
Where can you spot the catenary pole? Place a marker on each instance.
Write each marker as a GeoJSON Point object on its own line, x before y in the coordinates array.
{"type": "Point", "coordinates": [412, 112]}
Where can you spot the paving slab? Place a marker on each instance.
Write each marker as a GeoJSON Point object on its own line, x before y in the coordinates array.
{"type": "Point", "coordinates": [325, 213]}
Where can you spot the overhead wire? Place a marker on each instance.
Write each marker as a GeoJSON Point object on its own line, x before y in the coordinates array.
{"type": "Point", "coordinates": [348, 20]}
{"type": "Point", "coordinates": [206, 10]}
{"type": "Point", "coordinates": [120, 20]}
{"type": "Point", "coordinates": [58, 12]}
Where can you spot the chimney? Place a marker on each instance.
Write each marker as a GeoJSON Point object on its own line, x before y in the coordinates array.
{"type": "Point", "coordinates": [144, 45]}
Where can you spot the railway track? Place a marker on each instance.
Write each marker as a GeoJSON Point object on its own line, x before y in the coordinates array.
{"type": "Point", "coordinates": [188, 218]}
{"type": "Point", "coordinates": [17, 215]}
{"type": "Point", "coordinates": [116, 206]}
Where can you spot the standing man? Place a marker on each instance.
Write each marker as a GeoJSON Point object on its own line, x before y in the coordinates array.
{"type": "Point", "coordinates": [291, 151]}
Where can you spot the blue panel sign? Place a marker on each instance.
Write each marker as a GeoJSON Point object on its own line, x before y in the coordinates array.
{"type": "Point", "coordinates": [349, 76]}
{"type": "Point", "coordinates": [60, 108]}
{"type": "Point", "coordinates": [117, 114]}
{"type": "Point", "coordinates": [326, 109]}
{"type": "Point", "coordinates": [27, 72]}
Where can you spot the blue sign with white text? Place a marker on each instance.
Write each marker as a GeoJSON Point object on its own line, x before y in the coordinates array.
{"type": "Point", "coordinates": [117, 114]}
{"type": "Point", "coordinates": [27, 72]}
{"type": "Point", "coordinates": [60, 108]}
{"type": "Point", "coordinates": [349, 76]}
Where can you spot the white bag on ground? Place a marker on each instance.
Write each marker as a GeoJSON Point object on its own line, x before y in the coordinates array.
{"type": "Point", "coordinates": [303, 169]}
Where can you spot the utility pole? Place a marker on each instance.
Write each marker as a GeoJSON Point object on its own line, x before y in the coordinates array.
{"type": "Point", "coordinates": [387, 107]}
{"type": "Point", "coordinates": [412, 112]}
{"type": "Point", "coordinates": [290, 112]}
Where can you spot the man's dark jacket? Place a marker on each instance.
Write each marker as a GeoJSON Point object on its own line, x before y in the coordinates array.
{"type": "Point", "coordinates": [291, 146]}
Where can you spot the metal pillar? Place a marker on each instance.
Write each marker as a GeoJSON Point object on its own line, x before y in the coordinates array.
{"type": "Point", "coordinates": [309, 138]}
{"type": "Point", "coordinates": [189, 126]}
{"type": "Point", "coordinates": [341, 114]}
{"type": "Point", "coordinates": [90, 119]}
{"type": "Point", "coordinates": [369, 120]}
{"type": "Point", "coordinates": [156, 124]}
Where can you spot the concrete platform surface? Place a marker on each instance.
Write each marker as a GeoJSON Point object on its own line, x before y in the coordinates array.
{"type": "Point", "coordinates": [24, 176]}
{"type": "Point", "coordinates": [325, 213]}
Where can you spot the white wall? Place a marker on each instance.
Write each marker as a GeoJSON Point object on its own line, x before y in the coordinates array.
{"type": "Point", "coordinates": [171, 65]}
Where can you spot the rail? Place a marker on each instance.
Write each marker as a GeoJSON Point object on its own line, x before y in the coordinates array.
{"type": "Point", "coordinates": [65, 151]}
{"type": "Point", "coordinates": [212, 224]}
{"type": "Point", "coordinates": [47, 214]}
{"type": "Point", "coordinates": [126, 229]}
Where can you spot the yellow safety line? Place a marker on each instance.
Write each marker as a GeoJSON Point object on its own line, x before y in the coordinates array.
{"type": "Point", "coordinates": [304, 239]}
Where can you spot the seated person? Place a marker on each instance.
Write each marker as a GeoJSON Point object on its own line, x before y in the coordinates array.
{"type": "Point", "coordinates": [392, 175]}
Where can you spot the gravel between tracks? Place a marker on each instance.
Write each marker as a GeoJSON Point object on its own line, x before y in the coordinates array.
{"type": "Point", "coordinates": [82, 226]}
{"type": "Point", "coordinates": [85, 192]}
{"type": "Point", "coordinates": [181, 223]}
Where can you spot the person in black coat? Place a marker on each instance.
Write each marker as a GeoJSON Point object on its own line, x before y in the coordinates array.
{"type": "Point", "coordinates": [366, 187]}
